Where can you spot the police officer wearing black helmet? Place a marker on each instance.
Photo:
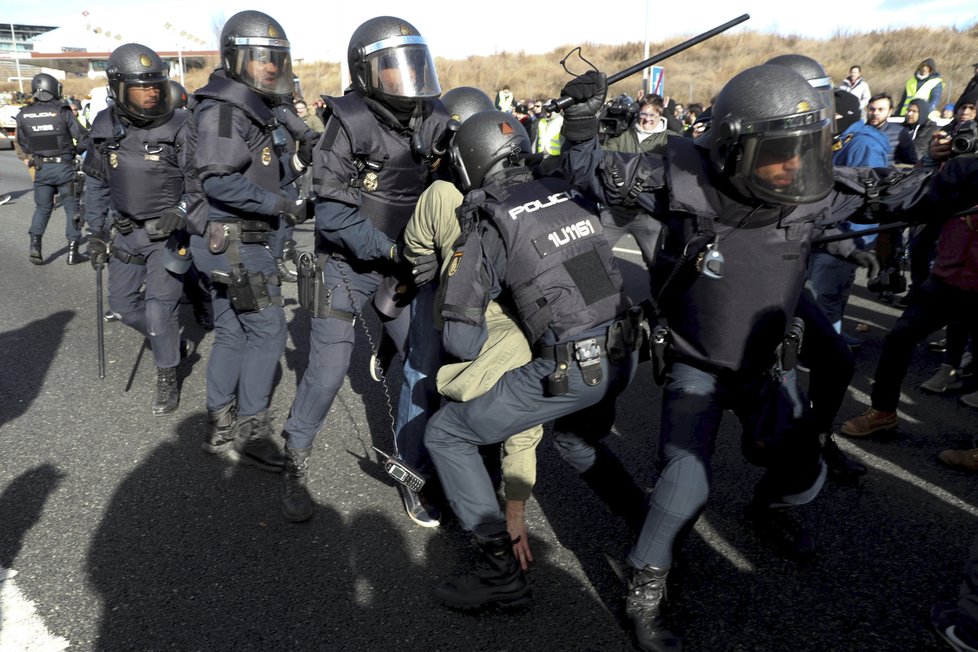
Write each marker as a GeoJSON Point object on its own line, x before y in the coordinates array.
{"type": "Point", "coordinates": [50, 135]}
{"type": "Point", "coordinates": [377, 154]}
{"type": "Point", "coordinates": [828, 357]}
{"type": "Point", "coordinates": [143, 188]}
{"type": "Point", "coordinates": [535, 245]}
{"type": "Point", "coordinates": [740, 206]}
{"type": "Point", "coordinates": [246, 162]}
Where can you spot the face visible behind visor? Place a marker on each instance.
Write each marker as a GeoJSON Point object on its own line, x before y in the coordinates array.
{"type": "Point", "coordinates": [139, 82]}
{"type": "Point", "coordinates": [257, 53]}
{"type": "Point", "coordinates": [772, 136]}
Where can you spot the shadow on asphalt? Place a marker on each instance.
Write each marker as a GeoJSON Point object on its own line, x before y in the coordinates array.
{"type": "Point", "coordinates": [28, 353]}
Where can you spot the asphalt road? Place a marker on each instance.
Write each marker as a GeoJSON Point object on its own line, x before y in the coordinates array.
{"type": "Point", "coordinates": [125, 536]}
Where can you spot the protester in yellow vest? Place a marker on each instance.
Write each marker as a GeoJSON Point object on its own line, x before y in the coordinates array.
{"type": "Point", "coordinates": [926, 84]}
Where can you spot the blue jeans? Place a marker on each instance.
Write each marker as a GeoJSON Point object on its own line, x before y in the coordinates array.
{"type": "Point", "coordinates": [419, 395]}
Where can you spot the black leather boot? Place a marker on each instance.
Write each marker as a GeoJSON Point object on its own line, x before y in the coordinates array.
{"type": "Point", "coordinates": [779, 528]}
{"type": "Point", "coordinates": [35, 251]}
{"type": "Point", "coordinates": [222, 429]}
{"type": "Point", "coordinates": [645, 599]}
{"type": "Point", "coordinates": [167, 391]}
{"type": "Point", "coordinates": [496, 579]}
{"type": "Point", "coordinates": [297, 504]}
{"type": "Point", "coordinates": [842, 468]}
{"type": "Point", "coordinates": [74, 257]}
{"type": "Point", "coordinates": [255, 444]}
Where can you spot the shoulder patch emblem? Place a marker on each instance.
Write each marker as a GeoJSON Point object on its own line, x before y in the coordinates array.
{"type": "Point", "coordinates": [454, 263]}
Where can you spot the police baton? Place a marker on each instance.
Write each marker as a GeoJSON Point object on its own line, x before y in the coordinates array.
{"type": "Point", "coordinates": [99, 324]}
{"type": "Point", "coordinates": [564, 102]}
{"type": "Point", "coordinates": [848, 235]}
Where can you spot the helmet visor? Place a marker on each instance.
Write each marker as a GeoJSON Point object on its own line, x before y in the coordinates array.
{"type": "Point", "coordinates": [146, 98]}
{"type": "Point", "coordinates": [267, 69]}
{"type": "Point", "coordinates": [405, 70]}
{"type": "Point", "coordinates": [789, 168]}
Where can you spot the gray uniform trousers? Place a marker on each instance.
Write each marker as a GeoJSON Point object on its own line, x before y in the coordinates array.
{"type": "Point", "coordinates": [518, 401]}
{"type": "Point", "coordinates": [247, 347]}
{"type": "Point", "coordinates": [153, 313]}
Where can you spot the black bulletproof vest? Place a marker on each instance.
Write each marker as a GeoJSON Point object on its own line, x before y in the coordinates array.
{"type": "Point", "coordinates": [141, 165]}
{"type": "Point", "coordinates": [391, 176]}
{"type": "Point", "coordinates": [560, 268]}
{"type": "Point", "coordinates": [736, 321]}
{"type": "Point", "coordinates": [46, 128]}
{"type": "Point", "coordinates": [264, 169]}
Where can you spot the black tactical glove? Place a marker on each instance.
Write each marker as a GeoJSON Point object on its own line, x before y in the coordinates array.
{"type": "Point", "coordinates": [304, 151]}
{"type": "Point", "coordinates": [581, 118]}
{"type": "Point", "coordinates": [98, 249]}
{"type": "Point", "coordinates": [424, 268]}
{"type": "Point", "coordinates": [172, 219]}
{"type": "Point", "coordinates": [293, 211]}
{"type": "Point", "coordinates": [867, 260]}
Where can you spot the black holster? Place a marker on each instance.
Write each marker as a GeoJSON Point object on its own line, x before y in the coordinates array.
{"type": "Point", "coordinates": [314, 296]}
{"type": "Point", "coordinates": [247, 291]}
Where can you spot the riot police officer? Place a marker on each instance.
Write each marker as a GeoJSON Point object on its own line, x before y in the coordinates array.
{"type": "Point", "coordinates": [50, 135]}
{"type": "Point", "coordinates": [536, 245]}
{"type": "Point", "coordinates": [144, 188]}
{"type": "Point", "coordinates": [374, 159]}
{"type": "Point", "coordinates": [246, 162]}
{"type": "Point", "coordinates": [740, 205]}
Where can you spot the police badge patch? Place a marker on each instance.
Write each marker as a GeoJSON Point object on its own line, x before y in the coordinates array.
{"type": "Point", "coordinates": [266, 156]}
{"type": "Point", "coordinates": [454, 263]}
{"type": "Point", "coordinates": [114, 160]}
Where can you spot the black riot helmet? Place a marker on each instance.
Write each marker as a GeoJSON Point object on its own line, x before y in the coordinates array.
{"type": "Point", "coordinates": [465, 101]}
{"type": "Point", "coordinates": [256, 52]}
{"type": "Point", "coordinates": [771, 135]}
{"type": "Point", "coordinates": [389, 59]}
{"type": "Point", "coordinates": [45, 88]}
{"type": "Point", "coordinates": [486, 143]}
{"type": "Point", "coordinates": [814, 74]}
{"type": "Point", "coordinates": [178, 95]}
{"type": "Point", "coordinates": [139, 82]}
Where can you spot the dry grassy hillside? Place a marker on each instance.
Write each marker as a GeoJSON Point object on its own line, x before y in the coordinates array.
{"type": "Point", "coordinates": [888, 58]}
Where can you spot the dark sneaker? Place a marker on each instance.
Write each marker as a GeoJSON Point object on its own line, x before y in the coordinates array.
{"type": "Point", "coordinates": [944, 379]}
{"type": "Point", "coordinates": [496, 579]}
{"type": "Point", "coordinates": [781, 530]}
{"type": "Point", "coordinates": [417, 510]}
{"type": "Point", "coordinates": [109, 316]}
{"type": "Point", "coordinates": [945, 617]}
{"type": "Point", "coordinates": [645, 599]}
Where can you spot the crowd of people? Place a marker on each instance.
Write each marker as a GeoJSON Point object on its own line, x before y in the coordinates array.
{"type": "Point", "coordinates": [480, 231]}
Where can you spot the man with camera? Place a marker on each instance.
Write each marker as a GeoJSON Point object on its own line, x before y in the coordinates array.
{"type": "Point", "coordinates": [949, 293]}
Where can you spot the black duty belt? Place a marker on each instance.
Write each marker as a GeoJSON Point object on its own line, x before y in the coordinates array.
{"type": "Point", "coordinates": [56, 159]}
{"type": "Point", "coordinates": [128, 257]}
{"type": "Point", "coordinates": [565, 350]}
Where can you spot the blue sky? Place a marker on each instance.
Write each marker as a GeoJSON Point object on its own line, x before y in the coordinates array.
{"type": "Point", "coordinates": [322, 34]}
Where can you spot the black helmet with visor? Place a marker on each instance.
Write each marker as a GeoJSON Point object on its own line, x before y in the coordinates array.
{"type": "Point", "coordinates": [139, 82]}
{"type": "Point", "coordinates": [389, 59]}
{"type": "Point", "coordinates": [771, 135]}
{"type": "Point", "coordinates": [256, 52]}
